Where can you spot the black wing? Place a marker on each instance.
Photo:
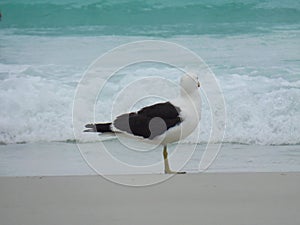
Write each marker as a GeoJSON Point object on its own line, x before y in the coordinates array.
{"type": "Point", "coordinates": [150, 121]}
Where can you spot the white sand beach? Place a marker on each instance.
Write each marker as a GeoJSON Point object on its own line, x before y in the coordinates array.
{"type": "Point", "coordinates": [207, 198]}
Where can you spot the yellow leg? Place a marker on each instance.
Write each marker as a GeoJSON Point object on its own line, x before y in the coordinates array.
{"type": "Point", "coordinates": [167, 167]}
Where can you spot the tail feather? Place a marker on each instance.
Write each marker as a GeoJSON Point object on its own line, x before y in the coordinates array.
{"type": "Point", "coordinates": [99, 127]}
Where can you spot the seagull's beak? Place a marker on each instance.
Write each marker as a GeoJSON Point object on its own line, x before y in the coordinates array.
{"type": "Point", "coordinates": [198, 84]}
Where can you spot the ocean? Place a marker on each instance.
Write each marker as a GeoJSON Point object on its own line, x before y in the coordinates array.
{"type": "Point", "coordinates": [252, 47]}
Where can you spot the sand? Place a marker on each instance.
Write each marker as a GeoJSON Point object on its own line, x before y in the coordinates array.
{"type": "Point", "coordinates": [207, 198]}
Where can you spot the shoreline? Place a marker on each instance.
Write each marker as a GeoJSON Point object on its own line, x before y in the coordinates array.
{"type": "Point", "coordinates": [149, 174]}
{"type": "Point", "coordinates": [56, 159]}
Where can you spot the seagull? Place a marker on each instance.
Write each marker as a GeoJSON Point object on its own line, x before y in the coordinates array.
{"type": "Point", "coordinates": [161, 123]}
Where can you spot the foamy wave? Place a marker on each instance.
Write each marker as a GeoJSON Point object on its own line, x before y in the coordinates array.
{"type": "Point", "coordinates": [34, 109]}
{"type": "Point", "coordinates": [260, 110]}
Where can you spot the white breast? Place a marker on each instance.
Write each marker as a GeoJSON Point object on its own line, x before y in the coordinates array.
{"type": "Point", "coordinates": [190, 113]}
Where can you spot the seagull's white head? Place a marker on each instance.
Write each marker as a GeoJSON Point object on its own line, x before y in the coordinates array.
{"type": "Point", "coordinates": [190, 83]}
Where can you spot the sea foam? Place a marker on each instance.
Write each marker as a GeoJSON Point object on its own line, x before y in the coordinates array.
{"type": "Point", "coordinates": [260, 110]}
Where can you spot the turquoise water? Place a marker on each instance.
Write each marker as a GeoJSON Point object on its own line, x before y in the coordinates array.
{"type": "Point", "coordinates": [252, 46]}
{"type": "Point", "coordinates": [149, 18]}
